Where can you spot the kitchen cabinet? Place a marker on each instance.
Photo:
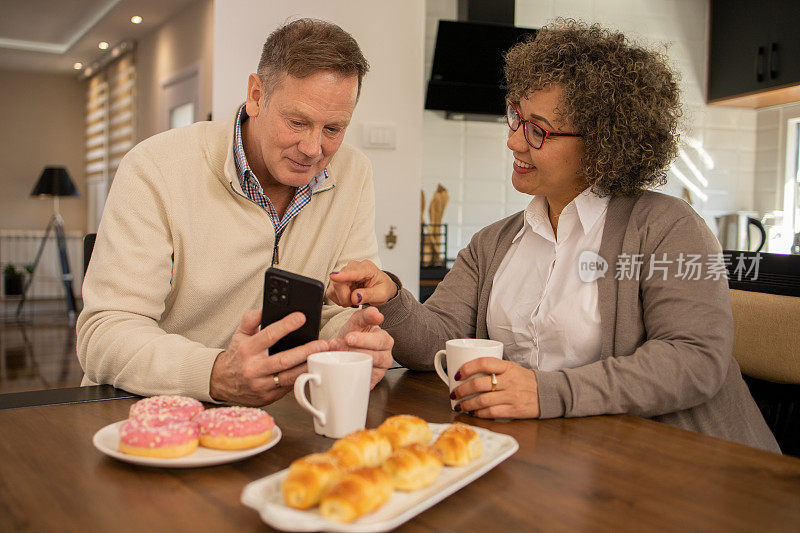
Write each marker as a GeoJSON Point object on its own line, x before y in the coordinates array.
{"type": "Point", "coordinates": [754, 47]}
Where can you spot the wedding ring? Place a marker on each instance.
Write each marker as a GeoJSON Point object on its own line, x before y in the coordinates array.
{"type": "Point", "coordinates": [494, 382]}
{"type": "Point", "coordinates": [277, 381]}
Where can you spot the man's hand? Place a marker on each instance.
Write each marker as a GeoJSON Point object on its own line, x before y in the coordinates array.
{"type": "Point", "coordinates": [360, 282]}
{"type": "Point", "coordinates": [245, 373]}
{"type": "Point", "coordinates": [362, 334]}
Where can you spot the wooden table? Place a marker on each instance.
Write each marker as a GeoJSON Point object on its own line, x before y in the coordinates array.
{"type": "Point", "coordinates": [602, 473]}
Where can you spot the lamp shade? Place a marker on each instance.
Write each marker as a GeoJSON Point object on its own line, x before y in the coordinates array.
{"type": "Point", "coordinates": [55, 181]}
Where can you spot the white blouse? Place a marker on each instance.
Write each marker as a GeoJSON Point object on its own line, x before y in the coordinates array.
{"type": "Point", "coordinates": [545, 316]}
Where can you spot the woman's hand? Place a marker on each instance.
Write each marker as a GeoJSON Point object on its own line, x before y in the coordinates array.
{"type": "Point", "coordinates": [516, 394]}
{"type": "Point", "coordinates": [360, 282]}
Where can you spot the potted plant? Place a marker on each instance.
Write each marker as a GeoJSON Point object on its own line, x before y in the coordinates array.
{"type": "Point", "coordinates": [13, 280]}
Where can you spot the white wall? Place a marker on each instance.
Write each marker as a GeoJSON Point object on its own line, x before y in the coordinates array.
{"type": "Point", "coordinates": [718, 143]}
{"type": "Point", "coordinates": [391, 35]}
{"type": "Point", "coordinates": [240, 29]}
{"type": "Point", "coordinates": [775, 187]}
{"type": "Point", "coordinates": [183, 42]}
{"type": "Point", "coordinates": [767, 178]}
{"type": "Point", "coordinates": [34, 135]}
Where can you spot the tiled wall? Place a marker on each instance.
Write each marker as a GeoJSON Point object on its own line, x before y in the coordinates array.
{"type": "Point", "coordinates": [718, 143]}
{"type": "Point", "coordinates": [773, 189]}
{"type": "Point", "coordinates": [767, 155]}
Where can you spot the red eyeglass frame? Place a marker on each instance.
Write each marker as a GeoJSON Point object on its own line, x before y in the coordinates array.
{"type": "Point", "coordinates": [547, 133]}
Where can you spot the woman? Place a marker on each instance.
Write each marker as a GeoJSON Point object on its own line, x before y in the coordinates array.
{"type": "Point", "coordinates": [592, 125]}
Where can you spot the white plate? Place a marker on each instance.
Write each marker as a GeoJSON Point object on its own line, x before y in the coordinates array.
{"type": "Point", "coordinates": [264, 495]}
{"type": "Point", "coordinates": [107, 439]}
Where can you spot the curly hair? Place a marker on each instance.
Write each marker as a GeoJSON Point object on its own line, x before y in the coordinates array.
{"type": "Point", "coordinates": [623, 98]}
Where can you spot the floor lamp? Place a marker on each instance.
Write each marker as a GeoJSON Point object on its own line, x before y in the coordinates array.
{"type": "Point", "coordinates": [55, 182]}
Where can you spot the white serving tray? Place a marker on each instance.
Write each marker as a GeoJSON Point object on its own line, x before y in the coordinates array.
{"type": "Point", "coordinates": [264, 495]}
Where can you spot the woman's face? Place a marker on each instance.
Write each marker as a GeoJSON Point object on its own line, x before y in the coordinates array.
{"type": "Point", "coordinates": [554, 170]}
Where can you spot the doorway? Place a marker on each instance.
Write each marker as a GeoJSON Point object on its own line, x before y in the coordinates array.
{"type": "Point", "coordinates": [180, 99]}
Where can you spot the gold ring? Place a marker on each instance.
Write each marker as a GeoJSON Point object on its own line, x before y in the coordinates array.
{"type": "Point", "coordinates": [277, 381]}
{"type": "Point", "coordinates": [494, 382]}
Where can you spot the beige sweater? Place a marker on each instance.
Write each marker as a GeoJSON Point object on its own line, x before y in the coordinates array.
{"type": "Point", "coordinates": [666, 344]}
{"type": "Point", "coordinates": [181, 254]}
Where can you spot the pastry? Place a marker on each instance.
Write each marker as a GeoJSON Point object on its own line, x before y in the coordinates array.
{"type": "Point", "coordinates": [366, 447]}
{"type": "Point", "coordinates": [358, 492]}
{"type": "Point", "coordinates": [402, 430]}
{"type": "Point", "coordinates": [234, 428]}
{"type": "Point", "coordinates": [414, 466]}
{"type": "Point", "coordinates": [459, 444]}
{"type": "Point", "coordinates": [309, 478]}
{"type": "Point", "coordinates": [174, 439]}
{"type": "Point", "coordinates": [160, 410]}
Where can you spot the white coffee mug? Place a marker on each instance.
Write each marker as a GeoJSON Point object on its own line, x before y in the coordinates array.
{"type": "Point", "coordinates": [339, 383]}
{"type": "Point", "coordinates": [460, 351]}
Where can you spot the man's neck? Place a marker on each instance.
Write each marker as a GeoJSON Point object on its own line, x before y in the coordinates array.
{"type": "Point", "coordinates": [280, 198]}
{"type": "Point", "coordinates": [279, 195]}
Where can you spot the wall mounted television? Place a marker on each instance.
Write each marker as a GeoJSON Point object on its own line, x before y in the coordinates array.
{"type": "Point", "coordinates": [467, 73]}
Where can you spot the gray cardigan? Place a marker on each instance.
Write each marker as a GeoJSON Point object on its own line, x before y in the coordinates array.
{"type": "Point", "coordinates": [666, 343]}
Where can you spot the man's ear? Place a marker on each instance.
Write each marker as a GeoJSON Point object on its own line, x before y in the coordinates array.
{"type": "Point", "coordinates": [255, 95]}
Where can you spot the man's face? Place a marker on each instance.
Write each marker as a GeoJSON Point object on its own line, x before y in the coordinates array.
{"type": "Point", "coordinates": [302, 126]}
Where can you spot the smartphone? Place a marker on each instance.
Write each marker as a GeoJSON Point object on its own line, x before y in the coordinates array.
{"type": "Point", "coordinates": [287, 292]}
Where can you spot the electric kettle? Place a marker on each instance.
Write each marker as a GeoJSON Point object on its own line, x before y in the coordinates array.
{"type": "Point", "coordinates": [733, 232]}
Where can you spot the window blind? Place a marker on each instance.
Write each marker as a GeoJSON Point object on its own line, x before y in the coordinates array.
{"type": "Point", "coordinates": [110, 129]}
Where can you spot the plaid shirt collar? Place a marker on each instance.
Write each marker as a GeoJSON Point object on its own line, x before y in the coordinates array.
{"type": "Point", "coordinates": [252, 187]}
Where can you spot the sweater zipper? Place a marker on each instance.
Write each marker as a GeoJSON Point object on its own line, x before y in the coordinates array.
{"type": "Point", "coordinates": [275, 251]}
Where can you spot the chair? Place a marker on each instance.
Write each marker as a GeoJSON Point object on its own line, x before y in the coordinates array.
{"type": "Point", "coordinates": [88, 246]}
{"type": "Point", "coordinates": [766, 309]}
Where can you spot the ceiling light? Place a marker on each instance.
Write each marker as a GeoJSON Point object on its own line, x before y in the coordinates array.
{"type": "Point", "coordinates": [78, 65]}
{"type": "Point", "coordinates": [136, 19]}
{"type": "Point", "coordinates": [102, 45]}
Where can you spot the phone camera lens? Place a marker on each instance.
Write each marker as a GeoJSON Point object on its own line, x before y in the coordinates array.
{"type": "Point", "coordinates": [278, 291]}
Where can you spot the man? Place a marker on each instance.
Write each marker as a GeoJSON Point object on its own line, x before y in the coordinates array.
{"type": "Point", "coordinates": [196, 215]}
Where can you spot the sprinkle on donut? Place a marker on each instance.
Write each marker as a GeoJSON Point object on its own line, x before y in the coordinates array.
{"type": "Point", "coordinates": [232, 428]}
{"type": "Point", "coordinates": [161, 410]}
{"type": "Point", "coordinates": [174, 439]}
{"type": "Point", "coordinates": [173, 426]}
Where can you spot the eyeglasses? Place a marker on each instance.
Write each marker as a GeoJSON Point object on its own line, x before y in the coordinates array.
{"type": "Point", "coordinates": [534, 134]}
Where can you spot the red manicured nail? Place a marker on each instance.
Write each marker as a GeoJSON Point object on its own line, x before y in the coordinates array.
{"type": "Point", "coordinates": [358, 297]}
{"type": "Point", "coordinates": [457, 377]}
{"type": "Point", "coordinates": [335, 272]}
{"type": "Point", "coordinates": [452, 395]}
{"type": "Point", "coordinates": [457, 408]}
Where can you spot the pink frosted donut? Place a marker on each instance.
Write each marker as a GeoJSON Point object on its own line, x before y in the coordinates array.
{"type": "Point", "coordinates": [160, 410]}
{"type": "Point", "coordinates": [174, 439]}
{"type": "Point", "coordinates": [234, 428]}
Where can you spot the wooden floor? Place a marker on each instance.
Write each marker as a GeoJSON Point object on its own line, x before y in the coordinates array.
{"type": "Point", "coordinates": [38, 351]}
